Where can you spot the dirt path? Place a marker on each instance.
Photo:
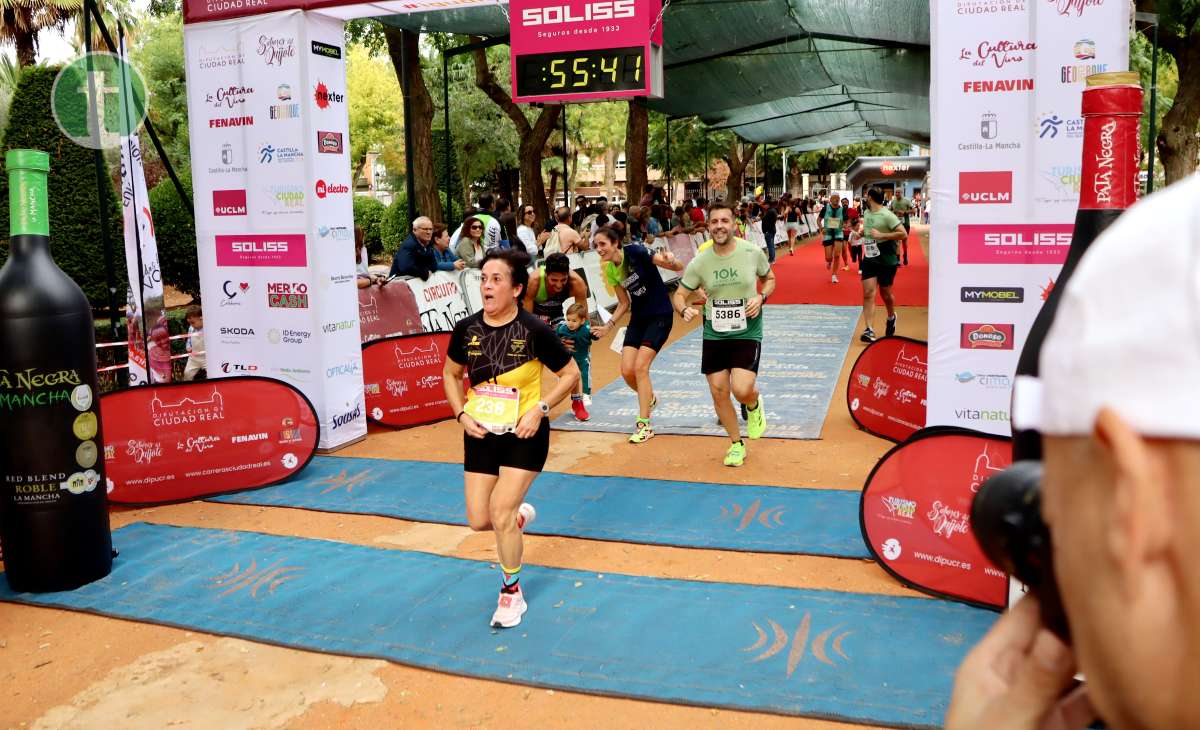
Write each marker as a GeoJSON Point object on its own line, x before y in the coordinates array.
{"type": "Point", "coordinates": [70, 670]}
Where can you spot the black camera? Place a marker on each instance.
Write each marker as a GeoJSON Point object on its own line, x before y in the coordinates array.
{"type": "Point", "coordinates": [1006, 517]}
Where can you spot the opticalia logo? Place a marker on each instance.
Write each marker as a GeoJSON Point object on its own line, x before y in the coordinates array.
{"type": "Point", "coordinates": [227, 97]}
{"type": "Point", "coordinates": [222, 122]}
{"type": "Point", "coordinates": [995, 86]}
{"type": "Point", "coordinates": [229, 202]}
{"type": "Point", "coordinates": [1074, 7]}
{"type": "Point", "coordinates": [985, 188]}
{"type": "Point", "coordinates": [989, 7]}
{"type": "Point", "coordinates": [323, 189]}
{"type": "Point", "coordinates": [326, 50]}
{"type": "Point", "coordinates": [232, 292]}
{"type": "Point", "coordinates": [336, 233]}
{"type": "Point", "coordinates": [280, 249]}
{"type": "Point", "coordinates": [287, 295]}
{"type": "Point", "coordinates": [343, 419]}
{"type": "Point", "coordinates": [274, 51]}
{"type": "Point", "coordinates": [993, 294]}
{"type": "Point", "coordinates": [1018, 243]}
{"type": "Point", "coordinates": [560, 14]}
{"type": "Point", "coordinates": [348, 369]}
{"type": "Point", "coordinates": [269, 153]}
{"type": "Point", "coordinates": [238, 368]}
{"type": "Point", "coordinates": [994, 381]}
{"type": "Point", "coordinates": [975, 336]}
{"type": "Point", "coordinates": [1052, 126]}
{"type": "Point", "coordinates": [324, 97]}
{"type": "Point", "coordinates": [330, 143]}
{"type": "Point", "coordinates": [997, 54]}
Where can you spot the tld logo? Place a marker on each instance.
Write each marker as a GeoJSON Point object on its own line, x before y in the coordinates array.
{"type": "Point", "coordinates": [975, 188]}
{"type": "Point", "coordinates": [323, 189]}
{"type": "Point", "coordinates": [559, 14]}
{"type": "Point", "coordinates": [238, 368]}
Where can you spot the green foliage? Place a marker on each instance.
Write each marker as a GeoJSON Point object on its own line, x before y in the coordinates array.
{"type": "Point", "coordinates": [837, 159]}
{"type": "Point", "coordinates": [687, 146]}
{"type": "Point", "coordinates": [176, 233]}
{"type": "Point", "coordinates": [394, 227]}
{"type": "Point", "coordinates": [368, 215]}
{"type": "Point", "coordinates": [376, 110]}
{"type": "Point", "coordinates": [367, 34]}
{"type": "Point", "coordinates": [158, 55]}
{"type": "Point", "coordinates": [75, 238]}
{"type": "Point", "coordinates": [1141, 59]}
{"type": "Point", "coordinates": [439, 164]}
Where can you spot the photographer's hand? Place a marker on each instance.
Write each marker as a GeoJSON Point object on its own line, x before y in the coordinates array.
{"type": "Point", "coordinates": [1015, 677]}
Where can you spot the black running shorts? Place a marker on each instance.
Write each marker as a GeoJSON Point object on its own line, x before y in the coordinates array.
{"type": "Point", "coordinates": [488, 454]}
{"type": "Point", "coordinates": [718, 355]}
{"type": "Point", "coordinates": [649, 331]}
{"type": "Point", "coordinates": [884, 273]}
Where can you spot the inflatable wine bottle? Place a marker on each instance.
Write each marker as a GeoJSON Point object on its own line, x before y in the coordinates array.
{"type": "Point", "coordinates": [1112, 108]}
{"type": "Point", "coordinates": [53, 501]}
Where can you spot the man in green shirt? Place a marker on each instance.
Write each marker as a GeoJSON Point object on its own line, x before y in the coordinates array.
{"type": "Point", "coordinates": [902, 207]}
{"type": "Point", "coordinates": [730, 272]}
{"type": "Point", "coordinates": [880, 261]}
{"type": "Point", "coordinates": [833, 220]}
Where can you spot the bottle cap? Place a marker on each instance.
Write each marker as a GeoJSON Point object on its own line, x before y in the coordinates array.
{"type": "Point", "coordinates": [1115, 78]}
{"type": "Point", "coordinates": [27, 160]}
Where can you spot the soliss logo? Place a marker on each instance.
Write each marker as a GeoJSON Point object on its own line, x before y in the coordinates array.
{"type": "Point", "coordinates": [558, 14]}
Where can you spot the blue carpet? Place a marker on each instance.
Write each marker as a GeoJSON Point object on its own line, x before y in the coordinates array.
{"type": "Point", "coordinates": [650, 511]}
{"type": "Point", "coordinates": [861, 658]}
{"type": "Point", "coordinates": [803, 350]}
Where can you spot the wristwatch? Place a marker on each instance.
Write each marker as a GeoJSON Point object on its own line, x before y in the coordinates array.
{"type": "Point", "coordinates": [545, 407]}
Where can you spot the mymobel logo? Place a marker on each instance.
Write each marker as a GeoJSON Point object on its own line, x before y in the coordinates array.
{"type": "Point", "coordinates": [324, 189]}
{"type": "Point", "coordinates": [117, 108]}
{"type": "Point", "coordinates": [986, 336]}
{"type": "Point", "coordinates": [996, 86]}
{"type": "Point", "coordinates": [324, 97]}
{"type": "Point", "coordinates": [326, 50]}
{"type": "Point", "coordinates": [993, 294]}
{"type": "Point", "coordinates": [559, 14]}
{"type": "Point", "coordinates": [976, 188]}
{"type": "Point", "coordinates": [229, 202]}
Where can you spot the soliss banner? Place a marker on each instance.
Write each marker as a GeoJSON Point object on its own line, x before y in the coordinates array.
{"type": "Point", "coordinates": [403, 377]}
{"type": "Point", "coordinates": [886, 392]}
{"type": "Point", "coordinates": [170, 443]}
{"type": "Point", "coordinates": [915, 513]}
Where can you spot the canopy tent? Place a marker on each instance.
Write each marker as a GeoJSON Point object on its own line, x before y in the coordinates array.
{"type": "Point", "coordinates": [801, 74]}
{"type": "Point", "coordinates": [867, 170]}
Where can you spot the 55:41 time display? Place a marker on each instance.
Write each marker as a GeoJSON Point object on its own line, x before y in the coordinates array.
{"type": "Point", "coordinates": [581, 72]}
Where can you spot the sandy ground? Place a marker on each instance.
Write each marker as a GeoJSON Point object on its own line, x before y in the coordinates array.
{"type": "Point", "coordinates": [70, 670]}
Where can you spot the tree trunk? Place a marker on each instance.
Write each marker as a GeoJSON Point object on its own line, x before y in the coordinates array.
{"type": "Point", "coordinates": [610, 172]}
{"type": "Point", "coordinates": [421, 125]}
{"type": "Point", "coordinates": [533, 137]}
{"type": "Point", "coordinates": [1178, 146]}
{"type": "Point", "coordinates": [637, 135]}
{"type": "Point", "coordinates": [554, 175]}
{"type": "Point", "coordinates": [736, 182]}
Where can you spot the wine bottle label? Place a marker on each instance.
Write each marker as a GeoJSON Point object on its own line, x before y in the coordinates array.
{"type": "Point", "coordinates": [1110, 147]}
{"type": "Point", "coordinates": [28, 212]}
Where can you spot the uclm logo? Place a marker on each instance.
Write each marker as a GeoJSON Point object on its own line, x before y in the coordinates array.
{"type": "Point", "coordinates": [559, 14]}
{"type": "Point", "coordinates": [985, 188]}
{"type": "Point", "coordinates": [229, 202]}
{"type": "Point", "coordinates": [323, 189]}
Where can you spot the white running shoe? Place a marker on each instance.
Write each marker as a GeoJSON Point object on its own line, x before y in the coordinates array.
{"type": "Point", "coordinates": [587, 401]}
{"type": "Point", "coordinates": [509, 609]}
{"type": "Point", "coordinates": [526, 514]}
{"type": "Point", "coordinates": [834, 279]}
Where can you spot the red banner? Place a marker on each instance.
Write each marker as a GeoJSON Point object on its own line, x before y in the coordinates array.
{"type": "Point", "coordinates": [171, 443]}
{"type": "Point", "coordinates": [403, 379]}
{"type": "Point", "coordinates": [915, 513]}
{"type": "Point", "coordinates": [388, 310]}
{"type": "Point", "coordinates": [886, 392]}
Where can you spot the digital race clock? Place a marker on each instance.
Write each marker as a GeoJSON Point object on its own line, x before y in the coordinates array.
{"type": "Point", "coordinates": [581, 72]}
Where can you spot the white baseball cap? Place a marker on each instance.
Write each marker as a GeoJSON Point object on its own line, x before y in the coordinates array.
{"type": "Point", "coordinates": [1127, 332]}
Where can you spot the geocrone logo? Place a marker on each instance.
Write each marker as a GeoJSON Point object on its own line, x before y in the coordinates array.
{"type": "Point", "coordinates": [229, 202]}
{"type": "Point", "coordinates": [1017, 243]}
{"type": "Point", "coordinates": [992, 294]}
{"type": "Point", "coordinates": [986, 336]}
{"type": "Point", "coordinates": [982, 188]}
{"type": "Point", "coordinates": [559, 14]}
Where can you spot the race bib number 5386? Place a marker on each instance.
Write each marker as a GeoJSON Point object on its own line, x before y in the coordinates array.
{"type": "Point", "coordinates": [728, 315]}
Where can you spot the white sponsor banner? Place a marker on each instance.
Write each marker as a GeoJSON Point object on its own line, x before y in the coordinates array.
{"type": "Point", "coordinates": [440, 299]}
{"type": "Point", "coordinates": [145, 320]}
{"type": "Point", "coordinates": [274, 220]}
{"type": "Point", "coordinates": [1006, 89]}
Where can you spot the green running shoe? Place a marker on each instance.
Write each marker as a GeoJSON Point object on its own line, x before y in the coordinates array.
{"type": "Point", "coordinates": [756, 421]}
{"type": "Point", "coordinates": [736, 455]}
{"type": "Point", "coordinates": [644, 433]}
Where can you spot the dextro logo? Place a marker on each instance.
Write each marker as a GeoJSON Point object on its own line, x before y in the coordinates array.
{"type": "Point", "coordinates": [1018, 243]}
{"type": "Point", "coordinates": [559, 14]}
{"type": "Point", "coordinates": [975, 336]}
{"type": "Point", "coordinates": [229, 202]}
{"type": "Point", "coordinates": [324, 189]}
{"type": "Point", "coordinates": [985, 188]}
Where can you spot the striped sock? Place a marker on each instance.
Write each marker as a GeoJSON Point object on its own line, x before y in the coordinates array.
{"type": "Point", "coordinates": [511, 577]}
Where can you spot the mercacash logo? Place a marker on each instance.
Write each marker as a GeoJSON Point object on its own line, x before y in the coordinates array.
{"type": "Point", "coordinates": [287, 295]}
{"type": "Point", "coordinates": [1017, 243]}
{"type": "Point", "coordinates": [985, 188]}
{"type": "Point", "coordinates": [561, 14]}
{"type": "Point", "coordinates": [97, 99]}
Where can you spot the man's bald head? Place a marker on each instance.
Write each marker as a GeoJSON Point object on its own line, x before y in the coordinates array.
{"type": "Point", "coordinates": [423, 229]}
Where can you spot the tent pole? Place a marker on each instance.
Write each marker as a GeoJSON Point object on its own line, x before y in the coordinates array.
{"type": "Point", "coordinates": [706, 193]}
{"type": "Point", "coordinates": [566, 179]}
{"type": "Point", "coordinates": [408, 145]}
{"type": "Point", "coordinates": [446, 137]}
{"type": "Point", "coordinates": [1150, 141]}
{"type": "Point", "coordinates": [101, 178]}
{"type": "Point", "coordinates": [670, 187]}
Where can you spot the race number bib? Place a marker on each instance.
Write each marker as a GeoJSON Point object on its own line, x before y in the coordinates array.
{"type": "Point", "coordinates": [728, 315]}
{"type": "Point", "coordinates": [495, 407]}
{"type": "Point", "coordinates": [870, 248]}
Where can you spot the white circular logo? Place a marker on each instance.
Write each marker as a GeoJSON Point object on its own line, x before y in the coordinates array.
{"type": "Point", "coordinates": [81, 397]}
{"type": "Point", "coordinates": [377, 414]}
{"type": "Point", "coordinates": [109, 484]}
{"type": "Point", "coordinates": [891, 548]}
{"type": "Point", "coordinates": [289, 461]}
{"type": "Point", "coordinates": [854, 404]}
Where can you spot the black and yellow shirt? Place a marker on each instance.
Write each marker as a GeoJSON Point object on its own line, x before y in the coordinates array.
{"type": "Point", "coordinates": [511, 355]}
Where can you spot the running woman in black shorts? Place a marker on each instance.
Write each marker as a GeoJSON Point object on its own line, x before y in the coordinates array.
{"type": "Point", "coordinates": [504, 416]}
{"type": "Point", "coordinates": [633, 273]}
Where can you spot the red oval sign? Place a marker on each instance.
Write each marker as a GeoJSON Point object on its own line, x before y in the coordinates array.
{"type": "Point", "coordinates": [887, 388]}
{"type": "Point", "coordinates": [403, 379]}
{"type": "Point", "coordinates": [170, 443]}
{"type": "Point", "coordinates": [915, 513]}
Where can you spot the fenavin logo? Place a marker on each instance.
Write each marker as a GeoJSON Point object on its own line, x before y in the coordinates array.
{"type": "Point", "coordinates": [559, 14]}
{"type": "Point", "coordinates": [993, 294]}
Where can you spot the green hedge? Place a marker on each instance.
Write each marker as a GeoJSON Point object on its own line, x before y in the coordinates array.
{"type": "Point", "coordinates": [368, 215]}
{"type": "Point", "coordinates": [75, 237]}
{"type": "Point", "coordinates": [175, 230]}
{"type": "Point", "coordinates": [394, 227]}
